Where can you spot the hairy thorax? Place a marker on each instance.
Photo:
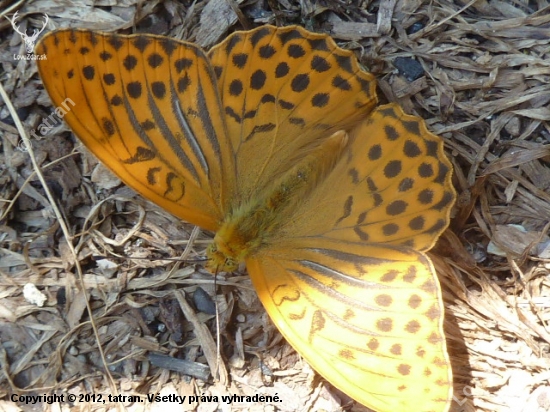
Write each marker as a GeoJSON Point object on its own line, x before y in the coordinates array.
{"type": "Point", "coordinates": [253, 223]}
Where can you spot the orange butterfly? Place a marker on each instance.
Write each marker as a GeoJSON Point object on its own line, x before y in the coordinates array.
{"type": "Point", "coordinates": [273, 140]}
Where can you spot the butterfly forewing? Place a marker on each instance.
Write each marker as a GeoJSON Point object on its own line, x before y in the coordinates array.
{"type": "Point", "coordinates": [345, 277]}
{"type": "Point", "coordinates": [368, 318]}
{"type": "Point", "coordinates": [148, 108]}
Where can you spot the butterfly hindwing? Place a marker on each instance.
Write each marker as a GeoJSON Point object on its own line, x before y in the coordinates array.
{"type": "Point", "coordinates": [283, 91]}
{"type": "Point", "coordinates": [392, 186]}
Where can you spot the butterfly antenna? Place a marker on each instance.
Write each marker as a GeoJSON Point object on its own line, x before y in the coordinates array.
{"type": "Point", "coordinates": [218, 334]}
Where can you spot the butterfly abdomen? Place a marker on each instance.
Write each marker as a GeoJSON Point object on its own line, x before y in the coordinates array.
{"type": "Point", "coordinates": [254, 223]}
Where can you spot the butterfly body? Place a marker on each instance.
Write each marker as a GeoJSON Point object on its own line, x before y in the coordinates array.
{"type": "Point", "coordinates": [258, 222]}
{"type": "Point", "coordinates": [273, 141]}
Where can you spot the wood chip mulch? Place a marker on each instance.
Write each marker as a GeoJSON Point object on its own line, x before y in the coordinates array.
{"type": "Point", "coordinates": [111, 311]}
